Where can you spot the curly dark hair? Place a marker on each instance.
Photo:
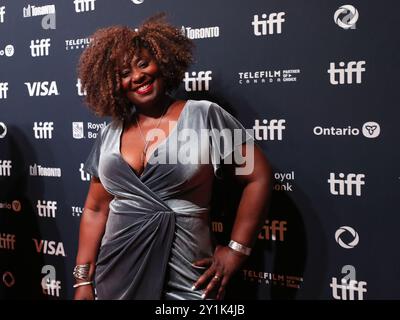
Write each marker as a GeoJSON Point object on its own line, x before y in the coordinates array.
{"type": "Point", "coordinates": [112, 48]}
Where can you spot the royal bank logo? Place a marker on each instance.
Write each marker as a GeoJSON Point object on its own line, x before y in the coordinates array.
{"type": "Point", "coordinates": [7, 241]}
{"type": "Point", "coordinates": [347, 237]}
{"type": "Point", "coordinates": [5, 168]}
{"type": "Point", "coordinates": [3, 130]}
{"type": "Point", "coordinates": [269, 129]}
{"type": "Point", "coordinates": [43, 130]}
{"type": "Point", "coordinates": [200, 33]}
{"type": "Point", "coordinates": [79, 43]}
{"type": "Point", "coordinates": [369, 130]}
{"type": "Point", "coordinates": [346, 185]}
{"type": "Point", "coordinates": [46, 209]}
{"type": "Point", "coordinates": [48, 247]}
{"type": "Point", "coordinates": [48, 11]}
{"type": "Point", "coordinates": [284, 181]}
{"type": "Point", "coordinates": [8, 51]}
{"type": "Point", "coordinates": [2, 13]}
{"type": "Point", "coordinates": [13, 206]}
{"type": "Point", "coordinates": [92, 129]}
{"type": "Point", "coordinates": [268, 24]}
{"type": "Point", "coordinates": [40, 47]}
{"type": "Point", "coordinates": [8, 279]}
{"type": "Point", "coordinates": [84, 175]}
{"type": "Point", "coordinates": [198, 81]}
{"type": "Point", "coordinates": [346, 74]}
{"type": "Point", "coordinates": [50, 285]}
{"type": "Point", "coordinates": [3, 90]}
{"type": "Point", "coordinates": [38, 170]}
{"type": "Point", "coordinates": [268, 76]}
{"type": "Point", "coordinates": [84, 5]}
{"type": "Point", "coordinates": [348, 288]}
{"type": "Point", "coordinates": [42, 88]}
{"type": "Point", "coordinates": [346, 17]}
{"type": "Point", "coordinates": [77, 211]}
{"type": "Point", "coordinates": [269, 278]}
{"type": "Point", "coordinates": [274, 230]}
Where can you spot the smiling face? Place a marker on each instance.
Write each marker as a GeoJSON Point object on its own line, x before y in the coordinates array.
{"type": "Point", "coordinates": [141, 80]}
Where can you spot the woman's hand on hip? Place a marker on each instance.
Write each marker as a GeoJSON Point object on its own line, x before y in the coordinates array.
{"type": "Point", "coordinates": [221, 267]}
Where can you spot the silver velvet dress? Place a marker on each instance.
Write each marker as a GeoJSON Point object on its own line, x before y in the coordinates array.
{"type": "Point", "coordinates": [158, 222]}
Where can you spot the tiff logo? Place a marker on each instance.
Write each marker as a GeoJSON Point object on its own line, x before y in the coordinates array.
{"type": "Point", "coordinates": [46, 208]}
{"type": "Point", "coordinates": [2, 13]}
{"type": "Point", "coordinates": [195, 83]}
{"type": "Point", "coordinates": [40, 47]}
{"type": "Point", "coordinates": [84, 5]}
{"type": "Point", "coordinates": [84, 175]}
{"type": "Point", "coordinates": [347, 291]}
{"type": "Point", "coordinates": [344, 186]}
{"type": "Point", "coordinates": [79, 87]}
{"type": "Point", "coordinates": [3, 90]}
{"type": "Point", "coordinates": [7, 241]}
{"type": "Point", "coordinates": [5, 168]}
{"type": "Point", "coordinates": [43, 130]}
{"type": "Point", "coordinates": [41, 88]}
{"type": "Point", "coordinates": [50, 285]}
{"type": "Point", "coordinates": [349, 287]}
{"type": "Point", "coordinates": [351, 68]}
{"type": "Point", "coordinates": [266, 26]}
{"type": "Point", "coordinates": [277, 228]}
{"type": "Point", "coordinates": [271, 131]}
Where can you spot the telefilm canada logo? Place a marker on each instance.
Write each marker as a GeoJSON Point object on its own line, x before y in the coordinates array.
{"type": "Point", "coordinates": [78, 43]}
{"type": "Point", "coordinates": [268, 76]}
{"type": "Point", "coordinates": [270, 278]}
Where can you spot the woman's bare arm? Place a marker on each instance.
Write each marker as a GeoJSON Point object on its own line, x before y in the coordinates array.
{"type": "Point", "coordinates": [92, 226]}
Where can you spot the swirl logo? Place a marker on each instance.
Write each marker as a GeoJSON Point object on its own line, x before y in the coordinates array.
{"type": "Point", "coordinates": [339, 238]}
{"type": "Point", "coordinates": [349, 20]}
{"type": "Point", "coordinates": [3, 130]}
{"type": "Point", "coordinates": [8, 279]}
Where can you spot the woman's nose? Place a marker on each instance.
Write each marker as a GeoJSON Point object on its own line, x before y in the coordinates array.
{"type": "Point", "coordinates": [137, 76]}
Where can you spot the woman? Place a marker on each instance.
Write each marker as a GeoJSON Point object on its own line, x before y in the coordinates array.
{"type": "Point", "coordinates": [145, 232]}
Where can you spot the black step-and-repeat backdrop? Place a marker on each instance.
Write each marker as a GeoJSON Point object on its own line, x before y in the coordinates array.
{"type": "Point", "coordinates": [316, 80]}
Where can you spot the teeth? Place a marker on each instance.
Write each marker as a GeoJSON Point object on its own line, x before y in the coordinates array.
{"type": "Point", "coordinates": [144, 87]}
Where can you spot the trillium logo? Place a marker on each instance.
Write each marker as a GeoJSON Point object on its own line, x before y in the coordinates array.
{"type": "Point", "coordinates": [347, 21]}
{"type": "Point", "coordinates": [371, 129]}
{"type": "Point", "coordinates": [339, 238]}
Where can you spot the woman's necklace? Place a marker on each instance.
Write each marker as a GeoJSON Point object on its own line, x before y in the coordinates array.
{"type": "Point", "coordinates": [146, 142]}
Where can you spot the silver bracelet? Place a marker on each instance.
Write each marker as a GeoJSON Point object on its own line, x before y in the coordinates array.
{"type": "Point", "coordinates": [76, 285]}
{"type": "Point", "coordinates": [239, 247]}
{"type": "Point", "coordinates": [81, 271]}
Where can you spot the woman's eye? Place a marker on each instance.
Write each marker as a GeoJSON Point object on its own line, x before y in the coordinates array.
{"type": "Point", "coordinates": [125, 73]}
{"type": "Point", "coordinates": [142, 64]}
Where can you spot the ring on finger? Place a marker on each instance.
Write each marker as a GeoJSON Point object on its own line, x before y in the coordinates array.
{"type": "Point", "coordinates": [217, 277]}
